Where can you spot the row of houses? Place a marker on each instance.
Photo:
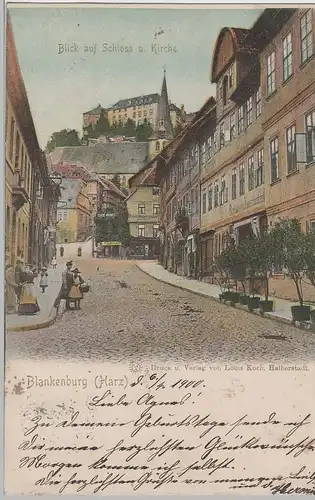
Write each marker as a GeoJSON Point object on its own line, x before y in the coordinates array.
{"type": "Point", "coordinates": [31, 191]}
{"type": "Point", "coordinates": [248, 156]}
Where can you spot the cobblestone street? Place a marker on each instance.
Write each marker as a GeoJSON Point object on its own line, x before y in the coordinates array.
{"type": "Point", "coordinates": [128, 316]}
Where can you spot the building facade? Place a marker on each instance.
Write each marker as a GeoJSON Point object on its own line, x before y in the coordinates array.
{"type": "Point", "coordinates": [74, 221]}
{"type": "Point", "coordinates": [30, 193]}
{"type": "Point", "coordinates": [138, 109]}
{"type": "Point", "coordinates": [178, 174]}
{"type": "Point", "coordinates": [265, 97]}
{"type": "Point", "coordinates": [143, 206]}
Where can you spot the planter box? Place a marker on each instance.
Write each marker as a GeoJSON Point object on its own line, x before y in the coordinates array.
{"type": "Point", "coordinates": [244, 299]}
{"type": "Point", "coordinates": [313, 315]}
{"type": "Point", "coordinates": [266, 306]}
{"type": "Point", "coordinates": [253, 303]}
{"type": "Point", "coordinates": [235, 297]}
{"type": "Point", "coordinates": [301, 313]}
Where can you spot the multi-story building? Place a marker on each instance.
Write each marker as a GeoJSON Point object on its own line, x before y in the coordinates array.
{"type": "Point", "coordinates": [265, 101]}
{"type": "Point", "coordinates": [143, 206]}
{"type": "Point", "coordinates": [30, 192]}
{"type": "Point", "coordinates": [74, 213]}
{"type": "Point", "coordinates": [138, 109]}
{"type": "Point", "coordinates": [178, 174]}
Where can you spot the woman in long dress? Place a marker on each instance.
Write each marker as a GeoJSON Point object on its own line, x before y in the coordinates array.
{"type": "Point", "coordinates": [28, 301]}
{"type": "Point", "coordinates": [43, 279]}
{"type": "Point", "coordinates": [75, 295]}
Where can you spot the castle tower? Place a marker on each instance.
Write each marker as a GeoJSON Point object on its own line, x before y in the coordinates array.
{"type": "Point", "coordinates": [162, 133]}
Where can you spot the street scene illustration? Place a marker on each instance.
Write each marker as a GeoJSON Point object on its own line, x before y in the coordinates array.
{"type": "Point", "coordinates": [160, 185]}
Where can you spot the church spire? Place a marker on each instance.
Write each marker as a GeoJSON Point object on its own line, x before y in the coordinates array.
{"type": "Point", "coordinates": [163, 126]}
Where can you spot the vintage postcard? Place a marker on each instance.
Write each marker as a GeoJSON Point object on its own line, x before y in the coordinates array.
{"type": "Point", "coordinates": [159, 249]}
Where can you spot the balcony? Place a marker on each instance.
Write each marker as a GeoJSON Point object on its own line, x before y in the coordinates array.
{"type": "Point", "coordinates": [181, 218]}
{"type": "Point", "coordinates": [20, 196]}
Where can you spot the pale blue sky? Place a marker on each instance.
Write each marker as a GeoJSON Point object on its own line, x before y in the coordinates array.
{"type": "Point", "coordinates": [61, 87]}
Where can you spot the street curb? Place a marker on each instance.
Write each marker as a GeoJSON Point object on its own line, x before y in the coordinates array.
{"type": "Point", "coordinates": [37, 326]}
{"type": "Point", "coordinates": [278, 319]}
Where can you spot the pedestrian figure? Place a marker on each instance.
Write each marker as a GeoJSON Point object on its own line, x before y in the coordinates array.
{"type": "Point", "coordinates": [28, 300]}
{"type": "Point", "coordinates": [75, 294]}
{"type": "Point", "coordinates": [66, 284]}
{"type": "Point", "coordinates": [11, 290]}
{"type": "Point", "coordinates": [54, 262]}
{"type": "Point", "coordinates": [43, 283]}
{"type": "Point", "coordinates": [79, 251]}
{"type": "Point", "coordinates": [18, 272]}
{"type": "Point", "coordinates": [61, 250]}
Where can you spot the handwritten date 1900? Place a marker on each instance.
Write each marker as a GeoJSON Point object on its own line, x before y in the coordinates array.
{"type": "Point", "coordinates": [157, 382]}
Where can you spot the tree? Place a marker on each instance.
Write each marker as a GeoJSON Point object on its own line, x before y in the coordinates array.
{"type": "Point", "coordinates": [310, 257]}
{"type": "Point", "coordinates": [130, 128]}
{"type": "Point", "coordinates": [290, 247]}
{"type": "Point", "coordinates": [65, 137]}
{"type": "Point", "coordinates": [144, 132]}
{"type": "Point", "coordinates": [102, 126]}
{"type": "Point", "coordinates": [113, 225]}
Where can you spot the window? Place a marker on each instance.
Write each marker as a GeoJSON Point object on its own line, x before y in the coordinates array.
{"type": "Point", "coordinates": [249, 111]}
{"type": "Point", "coordinates": [197, 199]}
{"type": "Point", "coordinates": [204, 202]}
{"type": "Point", "coordinates": [196, 154]}
{"type": "Point", "coordinates": [203, 153]}
{"type": "Point", "coordinates": [233, 183]}
{"type": "Point", "coordinates": [139, 114]}
{"type": "Point", "coordinates": [312, 226]}
{"type": "Point", "coordinates": [133, 115]}
{"type": "Point", "coordinates": [59, 216]}
{"type": "Point", "coordinates": [223, 191]}
{"type": "Point", "coordinates": [271, 73]}
{"type": "Point", "coordinates": [221, 135]}
{"type": "Point", "coordinates": [251, 174]}
{"type": "Point", "coordinates": [310, 136]}
{"type": "Point", "coordinates": [306, 36]}
{"type": "Point", "coordinates": [209, 146]}
{"type": "Point", "coordinates": [258, 102]}
{"type": "Point", "coordinates": [216, 194]}
{"type": "Point", "coordinates": [287, 56]}
{"type": "Point", "coordinates": [141, 230]}
{"type": "Point", "coordinates": [215, 141]}
{"type": "Point", "coordinates": [232, 126]}
{"type": "Point", "coordinates": [156, 228]}
{"type": "Point", "coordinates": [157, 146]}
{"type": "Point", "coordinates": [242, 179]}
{"type": "Point", "coordinates": [220, 92]}
{"type": "Point", "coordinates": [156, 209]}
{"type": "Point", "coordinates": [210, 198]}
{"type": "Point", "coordinates": [231, 76]}
{"type": "Point", "coordinates": [274, 157]}
{"type": "Point", "coordinates": [141, 209]}
{"type": "Point", "coordinates": [65, 216]}
{"type": "Point", "coordinates": [156, 191]}
{"type": "Point", "coordinates": [260, 168]}
{"type": "Point", "coordinates": [11, 142]}
{"type": "Point", "coordinates": [225, 90]}
{"type": "Point", "coordinates": [240, 119]}
{"type": "Point", "coordinates": [290, 143]}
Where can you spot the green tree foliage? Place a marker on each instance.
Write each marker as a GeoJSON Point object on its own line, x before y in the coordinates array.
{"type": "Point", "coordinates": [144, 132]}
{"type": "Point", "coordinates": [112, 225]}
{"type": "Point", "coordinates": [63, 138]}
{"type": "Point", "coordinates": [102, 125]}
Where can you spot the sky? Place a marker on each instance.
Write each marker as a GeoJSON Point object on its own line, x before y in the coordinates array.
{"type": "Point", "coordinates": [62, 84]}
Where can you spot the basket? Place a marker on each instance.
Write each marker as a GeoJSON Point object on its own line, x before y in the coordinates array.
{"type": "Point", "coordinates": [84, 288]}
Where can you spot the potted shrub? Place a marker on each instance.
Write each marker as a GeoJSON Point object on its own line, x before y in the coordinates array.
{"type": "Point", "coordinates": [222, 276]}
{"type": "Point", "coordinates": [291, 246]}
{"type": "Point", "coordinates": [236, 270]}
{"type": "Point", "coordinates": [265, 262]}
{"type": "Point", "coordinates": [310, 262]}
{"type": "Point", "coordinates": [248, 249]}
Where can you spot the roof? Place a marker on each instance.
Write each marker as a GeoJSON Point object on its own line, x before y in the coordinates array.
{"type": "Point", "coordinates": [147, 179]}
{"type": "Point", "coordinates": [107, 158]}
{"type": "Point", "coordinates": [96, 111]}
{"type": "Point", "coordinates": [173, 107]}
{"type": "Point", "coordinates": [136, 101]}
{"type": "Point", "coordinates": [70, 189]}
